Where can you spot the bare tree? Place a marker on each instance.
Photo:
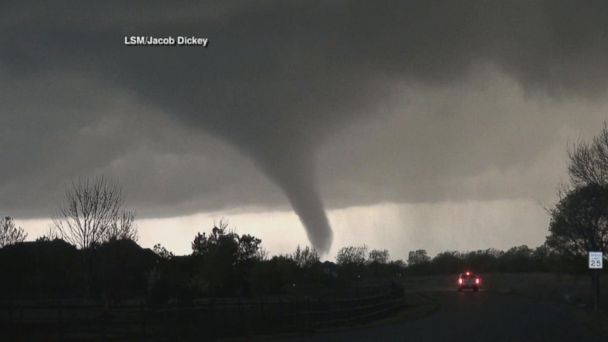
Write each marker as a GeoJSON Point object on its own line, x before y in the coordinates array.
{"type": "Point", "coordinates": [589, 161]}
{"type": "Point", "coordinates": [305, 257]}
{"type": "Point", "coordinates": [123, 228]}
{"type": "Point", "coordinates": [93, 213]}
{"type": "Point", "coordinates": [352, 255]}
{"type": "Point", "coordinates": [50, 235]}
{"type": "Point", "coordinates": [10, 233]}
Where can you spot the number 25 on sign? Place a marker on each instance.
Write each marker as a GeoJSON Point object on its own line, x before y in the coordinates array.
{"type": "Point", "coordinates": [596, 260]}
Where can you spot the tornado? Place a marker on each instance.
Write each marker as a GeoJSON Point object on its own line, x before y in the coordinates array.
{"type": "Point", "coordinates": [293, 171]}
{"type": "Point", "coordinates": [307, 204]}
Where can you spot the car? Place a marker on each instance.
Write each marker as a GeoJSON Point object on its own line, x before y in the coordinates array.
{"type": "Point", "coordinates": [469, 280]}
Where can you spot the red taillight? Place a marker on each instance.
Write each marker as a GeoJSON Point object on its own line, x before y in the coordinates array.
{"type": "Point", "coordinates": [468, 273]}
{"type": "Point", "coordinates": [459, 281]}
{"type": "Point", "coordinates": [477, 281]}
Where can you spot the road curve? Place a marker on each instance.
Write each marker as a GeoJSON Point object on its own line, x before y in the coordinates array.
{"type": "Point", "coordinates": [469, 316]}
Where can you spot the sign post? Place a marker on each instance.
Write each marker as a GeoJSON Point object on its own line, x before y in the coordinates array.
{"type": "Point", "coordinates": [596, 263]}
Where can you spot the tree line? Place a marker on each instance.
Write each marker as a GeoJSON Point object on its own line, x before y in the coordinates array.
{"type": "Point", "coordinates": [519, 259]}
{"type": "Point", "coordinates": [91, 250]}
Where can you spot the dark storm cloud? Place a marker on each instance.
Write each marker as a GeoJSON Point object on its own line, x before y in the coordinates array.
{"type": "Point", "coordinates": [278, 82]}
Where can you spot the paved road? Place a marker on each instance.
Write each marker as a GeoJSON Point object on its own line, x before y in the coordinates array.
{"type": "Point", "coordinates": [469, 316]}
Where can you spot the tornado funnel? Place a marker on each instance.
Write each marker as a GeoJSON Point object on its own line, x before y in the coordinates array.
{"type": "Point", "coordinates": [294, 173]}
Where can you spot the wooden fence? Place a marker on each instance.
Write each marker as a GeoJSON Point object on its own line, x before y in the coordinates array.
{"type": "Point", "coordinates": [206, 319]}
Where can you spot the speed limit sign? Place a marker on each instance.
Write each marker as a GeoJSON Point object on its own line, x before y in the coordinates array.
{"type": "Point", "coordinates": [596, 260]}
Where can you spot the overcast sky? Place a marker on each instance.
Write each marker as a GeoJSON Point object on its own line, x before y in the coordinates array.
{"type": "Point", "coordinates": [418, 124]}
